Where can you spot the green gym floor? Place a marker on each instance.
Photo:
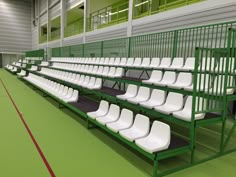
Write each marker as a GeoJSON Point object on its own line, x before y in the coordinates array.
{"type": "Point", "coordinates": [70, 149]}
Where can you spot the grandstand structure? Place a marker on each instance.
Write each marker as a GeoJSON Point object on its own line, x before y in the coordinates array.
{"type": "Point", "coordinates": [165, 95]}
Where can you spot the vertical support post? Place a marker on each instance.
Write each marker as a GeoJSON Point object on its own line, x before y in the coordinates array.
{"type": "Point", "coordinates": [175, 44]}
{"type": "Point", "coordinates": [63, 20]}
{"type": "Point", "coordinates": [130, 18]}
{"type": "Point", "coordinates": [102, 49]}
{"type": "Point", "coordinates": [83, 45]}
{"type": "Point", "coordinates": [224, 113]}
{"type": "Point", "coordinates": [129, 47]}
{"type": "Point", "coordinates": [155, 168]}
{"type": "Point", "coordinates": [85, 19]}
{"type": "Point", "coordinates": [193, 123]}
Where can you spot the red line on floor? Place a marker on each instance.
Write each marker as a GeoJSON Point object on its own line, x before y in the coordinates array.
{"type": "Point", "coordinates": [30, 133]}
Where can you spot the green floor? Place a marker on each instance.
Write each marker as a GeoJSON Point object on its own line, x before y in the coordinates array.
{"type": "Point", "coordinates": [69, 147]}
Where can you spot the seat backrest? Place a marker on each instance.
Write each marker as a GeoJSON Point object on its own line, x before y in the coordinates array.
{"type": "Point", "coordinates": [119, 72]}
{"type": "Point", "coordinates": [158, 95]}
{"type": "Point", "coordinates": [132, 89]}
{"type": "Point", "coordinates": [106, 61]}
{"type": "Point", "coordinates": [92, 81]}
{"type": "Point", "coordinates": [177, 62]}
{"type": "Point", "coordinates": [86, 80]}
{"type": "Point", "coordinates": [101, 61]}
{"type": "Point", "coordinates": [137, 61]}
{"type": "Point", "coordinates": [155, 62]}
{"type": "Point", "coordinates": [112, 71]}
{"type": "Point", "coordinates": [126, 116]}
{"type": "Point", "coordinates": [175, 99]}
{"type": "Point", "coordinates": [65, 90]}
{"type": "Point", "coordinates": [103, 107]}
{"type": "Point", "coordinates": [69, 93]}
{"type": "Point", "coordinates": [165, 62]}
{"type": "Point", "coordinates": [95, 69]}
{"type": "Point", "coordinates": [185, 78]}
{"type": "Point", "coordinates": [75, 95]}
{"type": "Point", "coordinates": [143, 92]}
{"type": "Point", "coordinates": [98, 82]}
{"type": "Point", "coordinates": [169, 76]}
{"type": "Point", "coordinates": [146, 62]}
{"type": "Point", "coordinates": [117, 61]}
{"type": "Point", "coordinates": [161, 132]}
{"type": "Point", "coordinates": [141, 123]}
{"type": "Point", "coordinates": [100, 69]}
{"type": "Point", "coordinates": [113, 112]}
{"type": "Point", "coordinates": [111, 61]}
{"type": "Point", "coordinates": [156, 75]}
{"type": "Point", "coordinates": [105, 70]}
{"type": "Point", "coordinates": [130, 61]}
{"type": "Point", "coordinates": [81, 79]}
{"type": "Point", "coordinates": [123, 61]}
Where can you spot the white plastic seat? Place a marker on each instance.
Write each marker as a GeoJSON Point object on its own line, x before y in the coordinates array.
{"type": "Point", "coordinates": [90, 83]}
{"type": "Point", "coordinates": [146, 63]}
{"type": "Point", "coordinates": [111, 61]}
{"type": "Point", "coordinates": [183, 80]}
{"type": "Point", "coordinates": [117, 62]}
{"type": "Point", "coordinates": [95, 69]}
{"type": "Point", "coordinates": [111, 72]}
{"type": "Point", "coordinates": [119, 72]}
{"type": "Point", "coordinates": [155, 77]}
{"type": "Point", "coordinates": [125, 121]}
{"type": "Point", "coordinates": [155, 62]}
{"type": "Point", "coordinates": [101, 62]}
{"type": "Point", "coordinates": [203, 83]}
{"type": "Point", "coordinates": [112, 115]}
{"type": "Point", "coordinates": [189, 64]}
{"type": "Point", "coordinates": [101, 111]}
{"type": "Point", "coordinates": [100, 70]}
{"type": "Point", "coordinates": [174, 102]}
{"type": "Point", "coordinates": [139, 129]}
{"type": "Point", "coordinates": [86, 81]}
{"type": "Point", "coordinates": [105, 71]}
{"type": "Point", "coordinates": [130, 62]}
{"type": "Point", "coordinates": [81, 80]}
{"type": "Point", "coordinates": [177, 63]}
{"type": "Point", "coordinates": [137, 62]}
{"type": "Point", "coordinates": [186, 113]}
{"type": "Point", "coordinates": [142, 95]}
{"type": "Point", "coordinates": [73, 98]}
{"type": "Point", "coordinates": [123, 62]}
{"type": "Point", "coordinates": [157, 140]}
{"type": "Point", "coordinates": [131, 92]}
{"type": "Point", "coordinates": [68, 94]}
{"type": "Point", "coordinates": [106, 61]}
{"type": "Point", "coordinates": [157, 98]}
{"type": "Point", "coordinates": [165, 63]}
{"type": "Point", "coordinates": [169, 77]}
{"type": "Point", "coordinates": [97, 85]}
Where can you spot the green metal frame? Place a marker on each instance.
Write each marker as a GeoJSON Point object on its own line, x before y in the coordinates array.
{"type": "Point", "coordinates": [214, 41]}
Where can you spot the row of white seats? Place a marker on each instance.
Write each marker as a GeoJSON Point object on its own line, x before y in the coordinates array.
{"type": "Point", "coordinates": [33, 58]}
{"type": "Point", "coordinates": [16, 64]}
{"type": "Point", "coordinates": [11, 68]}
{"type": "Point", "coordinates": [90, 69]}
{"type": "Point", "coordinates": [44, 63]}
{"type": "Point", "coordinates": [177, 63]}
{"type": "Point", "coordinates": [159, 100]}
{"type": "Point", "coordinates": [60, 91]}
{"type": "Point", "coordinates": [133, 129]}
{"type": "Point", "coordinates": [88, 82]}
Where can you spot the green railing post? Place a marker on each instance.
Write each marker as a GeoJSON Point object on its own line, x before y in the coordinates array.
{"type": "Point", "coordinates": [102, 49]}
{"type": "Point", "coordinates": [224, 113]}
{"type": "Point", "coordinates": [129, 47]}
{"type": "Point", "coordinates": [193, 123]}
{"type": "Point", "coordinates": [175, 44]}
